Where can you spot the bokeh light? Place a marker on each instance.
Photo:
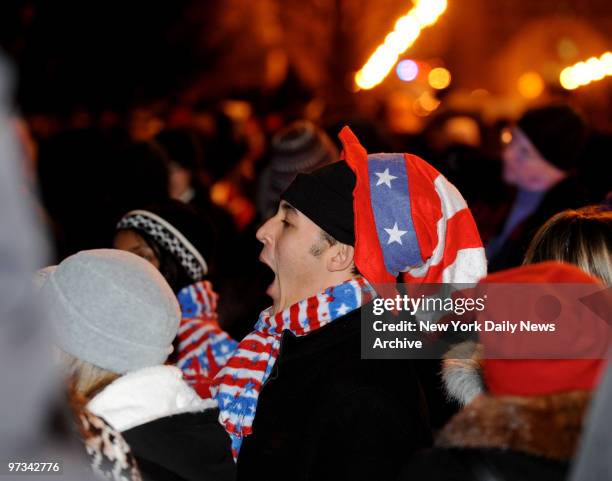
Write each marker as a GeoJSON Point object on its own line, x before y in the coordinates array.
{"type": "Point", "coordinates": [566, 48]}
{"type": "Point", "coordinates": [425, 104]}
{"type": "Point", "coordinates": [506, 136]}
{"type": "Point", "coordinates": [407, 29]}
{"type": "Point", "coordinates": [530, 85]}
{"type": "Point", "coordinates": [439, 78]}
{"type": "Point", "coordinates": [407, 70]}
{"type": "Point", "coordinates": [583, 73]}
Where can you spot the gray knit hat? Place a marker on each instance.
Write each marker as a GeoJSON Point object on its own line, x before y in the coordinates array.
{"type": "Point", "coordinates": [112, 309]}
{"type": "Point", "coordinates": [298, 148]}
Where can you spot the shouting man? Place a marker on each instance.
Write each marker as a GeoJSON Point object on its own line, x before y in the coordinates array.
{"type": "Point", "coordinates": [296, 398]}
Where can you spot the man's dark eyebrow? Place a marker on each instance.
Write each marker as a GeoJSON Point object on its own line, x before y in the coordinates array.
{"type": "Point", "coordinates": [288, 208]}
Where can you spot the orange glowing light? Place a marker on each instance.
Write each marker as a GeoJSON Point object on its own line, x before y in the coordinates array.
{"type": "Point", "coordinates": [439, 78]}
{"type": "Point", "coordinates": [586, 72]}
{"type": "Point", "coordinates": [530, 85]}
{"type": "Point", "coordinates": [405, 32]}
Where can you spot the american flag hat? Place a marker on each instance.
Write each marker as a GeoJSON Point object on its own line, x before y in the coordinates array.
{"type": "Point", "coordinates": [410, 220]}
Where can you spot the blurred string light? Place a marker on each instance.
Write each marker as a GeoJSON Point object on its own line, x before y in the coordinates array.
{"type": "Point", "coordinates": [439, 78]}
{"type": "Point", "coordinates": [583, 73]}
{"type": "Point", "coordinates": [530, 85]}
{"type": "Point", "coordinates": [407, 29]}
{"type": "Point", "coordinates": [407, 70]}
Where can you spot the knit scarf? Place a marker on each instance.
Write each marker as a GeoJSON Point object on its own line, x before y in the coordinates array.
{"type": "Point", "coordinates": [237, 386]}
{"type": "Point", "coordinates": [203, 347]}
{"type": "Point", "coordinates": [198, 300]}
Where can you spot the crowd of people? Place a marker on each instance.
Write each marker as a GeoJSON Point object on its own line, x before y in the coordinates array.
{"type": "Point", "coordinates": [174, 233]}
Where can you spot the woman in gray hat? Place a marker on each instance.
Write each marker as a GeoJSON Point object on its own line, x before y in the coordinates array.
{"type": "Point", "coordinates": [116, 318]}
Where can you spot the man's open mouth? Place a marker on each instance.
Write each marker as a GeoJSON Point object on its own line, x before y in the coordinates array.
{"type": "Point", "coordinates": [271, 286]}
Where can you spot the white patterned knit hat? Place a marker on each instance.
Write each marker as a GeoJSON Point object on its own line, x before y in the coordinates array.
{"type": "Point", "coordinates": [169, 237]}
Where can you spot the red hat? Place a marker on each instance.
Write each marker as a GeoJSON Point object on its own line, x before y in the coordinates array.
{"type": "Point", "coordinates": [410, 219]}
{"type": "Point", "coordinates": [581, 336]}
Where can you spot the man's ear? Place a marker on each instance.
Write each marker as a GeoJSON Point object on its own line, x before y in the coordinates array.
{"type": "Point", "coordinates": [341, 259]}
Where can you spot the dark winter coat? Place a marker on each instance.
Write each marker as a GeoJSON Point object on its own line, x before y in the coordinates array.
{"type": "Point", "coordinates": [505, 439]}
{"type": "Point", "coordinates": [567, 194]}
{"type": "Point", "coordinates": [326, 414]}
{"type": "Point", "coordinates": [173, 433]}
{"type": "Point", "coordinates": [189, 446]}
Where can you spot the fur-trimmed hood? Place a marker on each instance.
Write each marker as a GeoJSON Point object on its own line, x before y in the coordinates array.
{"type": "Point", "coordinates": [461, 372]}
{"type": "Point", "coordinates": [145, 395]}
{"type": "Point", "coordinates": [547, 426]}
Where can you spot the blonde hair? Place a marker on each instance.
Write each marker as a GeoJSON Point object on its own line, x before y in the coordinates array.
{"type": "Point", "coordinates": [84, 378]}
{"type": "Point", "coordinates": [582, 237]}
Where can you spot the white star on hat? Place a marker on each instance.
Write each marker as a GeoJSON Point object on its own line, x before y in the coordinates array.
{"type": "Point", "coordinates": [395, 235]}
{"type": "Point", "coordinates": [385, 178]}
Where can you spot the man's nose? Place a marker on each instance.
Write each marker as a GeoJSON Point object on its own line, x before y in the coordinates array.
{"type": "Point", "coordinates": [264, 233]}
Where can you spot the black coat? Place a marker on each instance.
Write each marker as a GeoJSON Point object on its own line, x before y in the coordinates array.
{"type": "Point", "coordinates": [326, 414]}
{"type": "Point", "coordinates": [567, 194]}
{"type": "Point", "coordinates": [457, 464]}
{"type": "Point", "coordinates": [189, 446]}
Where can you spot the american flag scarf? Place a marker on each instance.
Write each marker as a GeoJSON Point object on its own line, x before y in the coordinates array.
{"type": "Point", "coordinates": [237, 386]}
{"type": "Point", "coordinates": [203, 347]}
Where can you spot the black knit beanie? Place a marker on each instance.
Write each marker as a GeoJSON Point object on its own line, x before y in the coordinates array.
{"type": "Point", "coordinates": [325, 196]}
{"type": "Point", "coordinates": [557, 131]}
